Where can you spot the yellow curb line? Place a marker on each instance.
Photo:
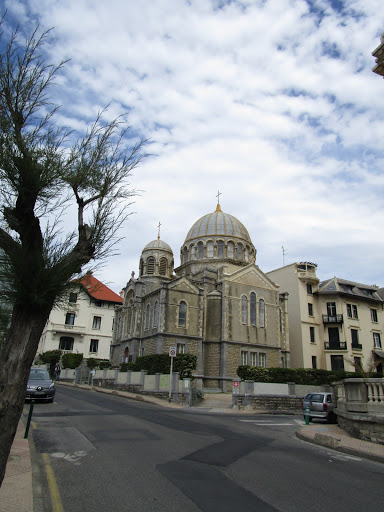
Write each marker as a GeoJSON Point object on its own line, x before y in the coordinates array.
{"type": "Point", "coordinates": [53, 489]}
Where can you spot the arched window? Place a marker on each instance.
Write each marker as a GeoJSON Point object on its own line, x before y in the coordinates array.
{"type": "Point", "coordinates": [220, 249]}
{"type": "Point", "coordinates": [239, 252]}
{"type": "Point", "coordinates": [261, 313]}
{"type": "Point", "coordinates": [150, 265]}
{"type": "Point", "coordinates": [130, 318]}
{"type": "Point", "coordinates": [141, 267]}
{"type": "Point", "coordinates": [185, 255]}
{"type": "Point", "coordinates": [163, 267]}
{"type": "Point", "coordinates": [246, 254]}
{"type": "Point", "coordinates": [156, 314]}
{"type": "Point", "coordinates": [253, 308]}
{"type": "Point", "coordinates": [230, 249]}
{"type": "Point", "coordinates": [200, 250]}
{"type": "Point", "coordinates": [244, 310]}
{"type": "Point", "coordinates": [210, 250]}
{"type": "Point", "coordinates": [147, 316]}
{"type": "Point", "coordinates": [182, 314]}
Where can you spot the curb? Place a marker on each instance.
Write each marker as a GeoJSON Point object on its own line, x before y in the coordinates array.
{"type": "Point", "coordinates": [335, 443]}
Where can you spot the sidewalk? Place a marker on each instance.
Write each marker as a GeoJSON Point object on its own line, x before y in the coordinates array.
{"type": "Point", "coordinates": [16, 493]}
{"type": "Point", "coordinates": [332, 436]}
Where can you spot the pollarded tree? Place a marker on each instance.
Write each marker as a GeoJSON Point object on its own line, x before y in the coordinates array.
{"type": "Point", "coordinates": [41, 174]}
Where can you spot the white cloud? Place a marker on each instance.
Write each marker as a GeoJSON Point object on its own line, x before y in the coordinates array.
{"type": "Point", "coordinates": [269, 101]}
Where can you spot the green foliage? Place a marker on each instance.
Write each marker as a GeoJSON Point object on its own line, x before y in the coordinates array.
{"type": "Point", "coordinates": [92, 363]}
{"type": "Point", "coordinates": [161, 363]}
{"type": "Point", "coordinates": [52, 356]}
{"type": "Point", "coordinates": [71, 360]}
{"type": "Point", "coordinates": [185, 364]}
{"type": "Point", "coordinates": [124, 367]}
{"type": "Point", "coordinates": [104, 364]}
{"type": "Point", "coordinates": [297, 375]}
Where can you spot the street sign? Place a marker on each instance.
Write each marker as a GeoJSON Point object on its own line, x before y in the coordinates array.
{"type": "Point", "coordinates": [172, 351]}
{"type": "Point", "coordinates": [236, 384]}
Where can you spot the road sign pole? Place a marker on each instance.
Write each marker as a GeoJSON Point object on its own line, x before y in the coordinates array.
{"type": "Point", "coordinates": [170, 381]}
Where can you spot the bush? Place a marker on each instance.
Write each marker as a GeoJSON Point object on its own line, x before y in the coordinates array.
{"type": "Point", "coordinates": [161, 363]}
{"type": "Point", "coordinates": [297, 375]}
{"type": "Point", "coordinates": [92, 363]}
{"type": "Point", "coordinates": [104, 365]}
{"type": "Point", "coordinates": [52, 357]}
{"type": "Point", "coordinates": [124, 367]}
{"type": "Point", "coordinates": [71, 360]}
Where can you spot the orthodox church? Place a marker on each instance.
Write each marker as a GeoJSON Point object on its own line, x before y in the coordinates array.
{"type": "Point", "coordinates": [217, 304]}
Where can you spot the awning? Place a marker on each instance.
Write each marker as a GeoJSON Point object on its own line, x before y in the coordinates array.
{"type": "Point", "coordinates": [379, 353]}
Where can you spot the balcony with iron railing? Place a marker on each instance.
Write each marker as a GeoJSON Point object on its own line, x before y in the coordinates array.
{"type": "Point", "coordinates": [357, 346]}
{"type": "Point", "coordinates": [333, 319]}
{"type": "Point", "coordinates": [341, 345]}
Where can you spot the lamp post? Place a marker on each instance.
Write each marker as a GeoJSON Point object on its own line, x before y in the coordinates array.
{"type": "Point", "coordinates": [378, 53]}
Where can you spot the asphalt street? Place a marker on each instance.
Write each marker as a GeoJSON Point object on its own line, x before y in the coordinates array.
{"type": "Point", "coordinates": [112, 454]}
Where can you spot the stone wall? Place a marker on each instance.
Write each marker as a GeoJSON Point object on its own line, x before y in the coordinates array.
{"type": "Point", "coordinates": [362, 427]}
{"type": "Point", "coordinates": [269, 402]}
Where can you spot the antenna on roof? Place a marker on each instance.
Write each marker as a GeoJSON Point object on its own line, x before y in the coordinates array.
{"type": "Point", "coordinates": [284, 251]}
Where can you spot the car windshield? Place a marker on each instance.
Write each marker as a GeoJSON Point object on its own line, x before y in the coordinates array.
{"type": "Point", "coordinates": [315, 397]}
{"type": "Point", "coordinates": [39, 375]}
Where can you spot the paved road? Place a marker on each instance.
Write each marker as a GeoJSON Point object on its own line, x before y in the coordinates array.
{"type": "Point", "coordinates": [114, 454]}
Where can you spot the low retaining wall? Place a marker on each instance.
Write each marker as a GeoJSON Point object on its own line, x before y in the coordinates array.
{"type": "Point", "coordinates": [368, 428]}
{"type": "Point", "coordinates": [269, 402]}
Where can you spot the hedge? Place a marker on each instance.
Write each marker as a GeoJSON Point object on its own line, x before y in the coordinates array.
{"type": "Point", "coordinates": [161, 363]}
{"type": "Point", "coordinates": [71, 360]}
{"type": "Point", "coordinates": [297, 375]}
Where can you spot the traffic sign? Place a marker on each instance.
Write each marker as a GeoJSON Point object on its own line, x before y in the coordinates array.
{"type": "Point", "coordinates": [236, 384]}
{"type": "Point", "coordinates": [172, 351]}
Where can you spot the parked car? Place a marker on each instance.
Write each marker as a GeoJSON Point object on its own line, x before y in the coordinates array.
{"type": "Point", "coordinates": [40, 385]}
{"type": "Point", "coordinates": [320, 406]}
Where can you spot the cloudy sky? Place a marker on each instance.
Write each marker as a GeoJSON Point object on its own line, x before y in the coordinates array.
{"type": "Point", "coordinates": [271, 102]}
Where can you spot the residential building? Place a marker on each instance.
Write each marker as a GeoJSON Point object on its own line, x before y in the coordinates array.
{"type": "Point", "coordinates": [333, 324]}
{"type": "Point", "coordinates": [83, 321]}
{"type": "Point", "coordinates": [217, 304]}
{"type": "Point", "coordinates": [378, 53]}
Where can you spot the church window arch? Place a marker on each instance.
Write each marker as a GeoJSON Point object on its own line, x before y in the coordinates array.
{"type": "Point", "coordinates": [141, 267]}
{"type": "Point", "coordinates": [246, 254]}
{"type": "Point", "coordinates": [156, 314]}
{"type": "Point", "coordinates": [210, 249]}
{"type": "Point", "coordinates": [253, 308]}
{"type": "Point", "coordinates": [185, 255]}
{"type": "Point", "coordinates": [244, 310]}
{"type": "Point", "coordinates": [200, 250]}
{"type": "Point", "coordinates": [239, 251]}
{"type": "Point", "coordinates": [151, 265]}
{"type": "Point", "coordinates": [261, 313]}
{"type": "Point", "coordinates": [182, 314]}
{"type": "Point", "coordinates": [220, 249]}
{"type": "Point", "coordinates": [147, 316]}
{"type": "Point", "coordinates": [163, 267]}
{"type": "Point", "coordinates": [230, 249]}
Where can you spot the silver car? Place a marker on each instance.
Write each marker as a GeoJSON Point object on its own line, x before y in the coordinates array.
{"type": "Point", "coordinates": [320, 406]}
{"type": "Point", "coordinates": [40, 385]}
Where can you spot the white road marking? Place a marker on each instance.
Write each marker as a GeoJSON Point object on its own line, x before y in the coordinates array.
{"type": "Point", "coordinates": [265, 423]}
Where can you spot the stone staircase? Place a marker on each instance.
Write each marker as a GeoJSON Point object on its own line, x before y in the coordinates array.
{"type": "Point", "coordinates": [215, 400]}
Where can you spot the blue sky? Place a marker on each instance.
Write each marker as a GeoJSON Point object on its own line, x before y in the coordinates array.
{"type": "Point", "coordinates": [272, 102]}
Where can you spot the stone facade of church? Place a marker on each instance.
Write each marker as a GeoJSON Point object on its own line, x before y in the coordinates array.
{"type": "Point", "coordinates": [217, 304]}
